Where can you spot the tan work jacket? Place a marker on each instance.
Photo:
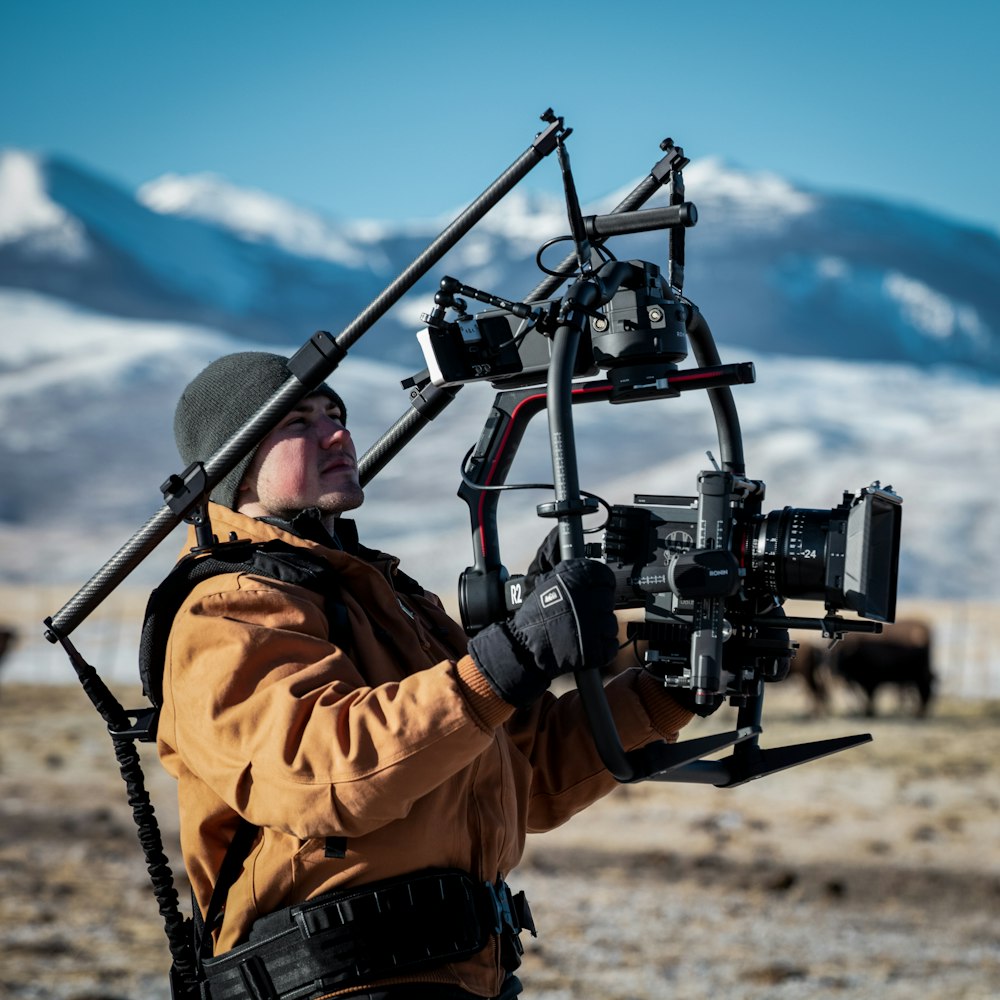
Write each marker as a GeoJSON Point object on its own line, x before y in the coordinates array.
{"type": "Point", "coordinates": [396, 743]}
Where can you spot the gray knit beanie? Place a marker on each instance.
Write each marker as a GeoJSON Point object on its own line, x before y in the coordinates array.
{"type": "Point", "coordinates": [220, 400]}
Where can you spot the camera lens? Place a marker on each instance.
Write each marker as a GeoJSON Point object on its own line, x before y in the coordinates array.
{"type": "Point", "coordinates": [789, 550]}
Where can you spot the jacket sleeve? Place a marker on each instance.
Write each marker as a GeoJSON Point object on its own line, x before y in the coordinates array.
{"type": "Point", "coordinates": [281, 725]}
{"type": "Point", "coordinates": [567, 773]}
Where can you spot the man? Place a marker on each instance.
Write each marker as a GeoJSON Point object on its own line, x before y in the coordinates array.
{"type": "Point", "coordinates": [372, 744]}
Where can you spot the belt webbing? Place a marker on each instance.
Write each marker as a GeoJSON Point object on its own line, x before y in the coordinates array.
{"type": "Point", "coordinates": [378, 931]}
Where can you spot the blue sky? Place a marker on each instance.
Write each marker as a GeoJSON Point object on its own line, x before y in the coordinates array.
{"type": "Point", "coordinates": [395, 110]}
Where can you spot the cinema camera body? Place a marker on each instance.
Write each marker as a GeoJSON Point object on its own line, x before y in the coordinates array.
{"type": "Point", "coordinates": [713, 570]}
{"type": "Point", "coordinates": [710, 571]}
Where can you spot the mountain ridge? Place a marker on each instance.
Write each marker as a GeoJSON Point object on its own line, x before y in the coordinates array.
{"type": "Point", "coordinates": [772, 266]}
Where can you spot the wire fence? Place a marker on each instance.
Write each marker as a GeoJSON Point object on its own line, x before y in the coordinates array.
{"type": "Point", "coordinates": [108, 639]}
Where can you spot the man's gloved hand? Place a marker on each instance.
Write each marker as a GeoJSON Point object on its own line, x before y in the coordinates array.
{"type": "Point", "coordinates": [548, 556]}
{"type": "Point", "coordinates": [565, 624]}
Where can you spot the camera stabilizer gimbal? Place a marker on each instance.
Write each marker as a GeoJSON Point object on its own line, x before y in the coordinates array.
{"type": "Point", "coordinates": [710, 571]}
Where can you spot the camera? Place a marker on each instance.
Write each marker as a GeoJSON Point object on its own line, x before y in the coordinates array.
{"type": "Point", "coordinates": [712, 588]}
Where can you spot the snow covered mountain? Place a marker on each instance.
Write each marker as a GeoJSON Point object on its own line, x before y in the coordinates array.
{"type": "Point", "coordinates": [773, 268]}
{"type": "Point", "coordinates": [875, 330]}
{"type": "Point", "coordinates": [67, 233]}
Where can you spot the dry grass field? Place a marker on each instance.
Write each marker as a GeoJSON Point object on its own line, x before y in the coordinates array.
{"type": "Point", "coordinates": [874, 873]}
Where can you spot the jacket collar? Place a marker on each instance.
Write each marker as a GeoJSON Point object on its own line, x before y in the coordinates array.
{"type": "Point", "coordinates": [307, 524]}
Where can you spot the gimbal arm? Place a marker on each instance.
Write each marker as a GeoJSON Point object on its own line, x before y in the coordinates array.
{"type": "Point", "coordinates": [727, 421]}
{"type": "Point", "coordinates": [569, 508]}
{"type": "Point", "coordinates": [659, 758]}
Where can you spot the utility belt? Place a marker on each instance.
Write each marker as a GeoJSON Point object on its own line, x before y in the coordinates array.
{"type": "Point", "coordinates": [378, 931]}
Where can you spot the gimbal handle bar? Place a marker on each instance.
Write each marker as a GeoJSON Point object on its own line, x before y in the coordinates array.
{"type": "Point", "coordinates": [427, 402]}
{"type": "Point", "coordinates": [727, 421]}
{"type": "Point", "coordinates": [569, 508]}
{"type": "Point", "coordinates": [313, 363]}
{"type": "Point", "coordinates": [623, 223]}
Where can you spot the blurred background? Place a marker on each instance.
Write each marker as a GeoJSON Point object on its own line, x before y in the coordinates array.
{"type": "Point", "coordinates": [179, 181]}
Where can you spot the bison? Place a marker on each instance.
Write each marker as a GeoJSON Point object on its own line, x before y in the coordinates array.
{"type": "Point", "coordinates": [899, 656]}
{"type": "Point", "coordinates": [7, 637]}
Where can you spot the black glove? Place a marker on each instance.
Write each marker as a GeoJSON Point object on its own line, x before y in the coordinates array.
{"type": "Point", "coordinates": [565, 624]}
{"type": "Point", "coordinates": [548, 556]}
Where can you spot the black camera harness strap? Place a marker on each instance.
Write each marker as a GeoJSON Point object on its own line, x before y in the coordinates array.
{"type": "Point", "coordinates": [274, 559]}
{"type": "Point", "coordinates": [376, 931]}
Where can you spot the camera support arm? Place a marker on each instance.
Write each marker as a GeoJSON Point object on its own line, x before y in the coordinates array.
{"type": "Point", "coordinates": [313, 363]}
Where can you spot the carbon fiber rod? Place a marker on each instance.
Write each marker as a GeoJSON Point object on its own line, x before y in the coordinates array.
{"type": "Point", "coordinates": [322, 354]}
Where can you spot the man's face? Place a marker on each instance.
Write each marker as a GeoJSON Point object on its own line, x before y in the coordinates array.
{"type": "Point", "coordinates": [308, 460]}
